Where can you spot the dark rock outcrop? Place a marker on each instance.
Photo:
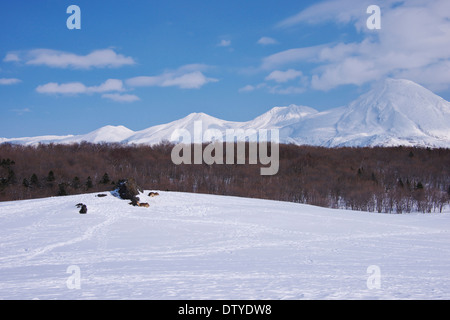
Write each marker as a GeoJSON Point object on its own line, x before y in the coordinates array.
{"type": "Point", "coordinates": [129, 190]}
{"type": "Point", "coordinates": [82, 207]}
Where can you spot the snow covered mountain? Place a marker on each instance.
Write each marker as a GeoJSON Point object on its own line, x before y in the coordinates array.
{"type": "Point", "coordinates": [280, 117]}
{"type": "Point", "coordinates": [111, 134]}
{"type": "Point", "coordinates": [396, 112]}
{"type": "Point", "coordinates": [156, 134]}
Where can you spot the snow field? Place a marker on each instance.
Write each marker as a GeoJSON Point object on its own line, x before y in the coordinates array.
{"type": "Point", "coordinates": [194, 246]}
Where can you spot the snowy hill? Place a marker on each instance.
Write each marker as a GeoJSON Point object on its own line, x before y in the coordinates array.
{"type": "Point", "coordinates": [111, 134]}
{"type": "Point", "coordinates": [396, 112]}
{"type": "Point", "coordinates": [193, 246]}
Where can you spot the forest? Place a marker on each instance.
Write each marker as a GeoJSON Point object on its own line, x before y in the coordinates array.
{"type": "Point", "coordinates": [378, 179]}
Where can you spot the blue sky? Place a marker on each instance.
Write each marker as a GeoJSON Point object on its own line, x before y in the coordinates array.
{"type": "Point", "coordinates": [143, 63]}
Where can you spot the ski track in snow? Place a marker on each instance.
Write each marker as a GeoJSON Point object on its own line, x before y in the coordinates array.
{"type": "Point", "coordinates": [192, 246]}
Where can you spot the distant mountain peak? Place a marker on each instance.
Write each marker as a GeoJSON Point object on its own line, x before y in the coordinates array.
{"type": "Point", "coordinates": [396, 109]}
{"type": "Point", "coordinates": [293, 109]}
{"type": "Point", "coordinates": [395, 112]}
{"type": "Point", "coordinates": [200, 116]}
{"type": "Point", "coordinates": [282, 116]}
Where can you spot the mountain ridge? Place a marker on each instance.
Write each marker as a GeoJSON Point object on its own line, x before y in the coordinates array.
{"type": "Point", "coordinates": [395, 112]}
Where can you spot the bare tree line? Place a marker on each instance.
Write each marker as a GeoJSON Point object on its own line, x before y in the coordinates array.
{"type": "Point", "coordinates": [390, 180]}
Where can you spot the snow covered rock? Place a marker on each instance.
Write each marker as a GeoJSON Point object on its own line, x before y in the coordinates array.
{"type": "Point", "coordinates": [128, 189]}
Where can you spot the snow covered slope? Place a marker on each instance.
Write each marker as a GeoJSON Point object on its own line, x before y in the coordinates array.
{"type": "Point", "coordinates": [396, 112]}
{"type": "Point", "coordinates": [111, 134]}
{"type": "Point", "coordinates": [280, 117]}
{"type": "Point", "coordinates": [31, 141]}
{"type": "Point", "coordinates": [192, 246]}
{"type": "Point", "coordinates": [154, 135]}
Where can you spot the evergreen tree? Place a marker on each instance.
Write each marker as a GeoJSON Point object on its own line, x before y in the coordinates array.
{"type": "Point", "coordinates": [105, 179]}
{"type": "Point", "coordinates": [89, 183]}
{"type": "Point", "coordinates": [76, 183]}
{"type": "Point", "coordinates": [11, 176]}
{"type": "Point", "coordinates": [25, 183]}
{"type": "Point", "coordinates": [34, 180]}
{"type": "Point", "coordinates": [51, 177]}
{"type": "Point", "coordinates": [62, 190]}
{"type": "Point", "coordinates": [6, 163]}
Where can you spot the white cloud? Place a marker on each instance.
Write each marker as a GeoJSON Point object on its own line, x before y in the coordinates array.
{"type": "Point", "coordinates": [350, 71]}
{"type": "Point", "coordinates": [11, 57]}
{"type": "Point", "coordinates": [21, 112]}
{"type": "Point", "coordinates": [224, 43]}
{"type": "Point", "coordinates": [108, 86]}
{"type": "Point", "coordinates": [186, 77]}
{"type": "Point", "coordinates": [144, 81]}
{"type": "Point", "coordinates": [110, 89]}
{"type": "Point", "coordinates": [74, 88]}
{"type": "Point", "coordinates": [10, 81]}
{"type": "Point", "coordinates": [247, 88]}
{"type": "Point", "coordinates": [193, 67]}
{"type": "Point", "coordinates": [436, 76]}
{"type": "Point", "coordinates": [277, 89]}
{"type": "Point", "coordinates": [340, 11]}
{"type": "Point", "coordinates": [120, 97]}
{"type": "Point", "coordinates": [65, 88]}
{"type": "Point", "coordinates": [291, 56]}
{"type": "Point", "coordinates": [267, 41]}
{"type": "Point", "coordinates": [193, 80]}
{"type": "Point", "coordinates": [283, 76]}
{"type": "Point", "coordinates": [289, 90]}
{"type": "Point", "coordinates": [413, 43]}
{"type": "Point", "coordinates": [106, 58]}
